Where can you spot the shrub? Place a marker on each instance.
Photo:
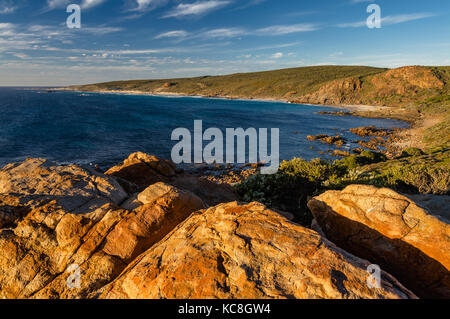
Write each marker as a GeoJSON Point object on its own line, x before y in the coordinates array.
{"type": "Point", "coordinates": [420, 179]}
{"type": "Point", "coordinates": [297, 180]}
{"type": "Point", "coordinates": [280, 191]}
{"type": "Point", "coordinates": [373, 157]}
{"type": "Point", "coordinates": [366, 157]}
{"type": "Point", "coordinates": [412, 151]}
{"type": "Point", "coordinates": [315, 171]}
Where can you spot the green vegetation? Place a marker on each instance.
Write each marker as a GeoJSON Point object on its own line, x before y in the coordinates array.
{"type": "Point", "coordinates": [412, 151]}
{"type": "Point", "coordinates": [414, 172]}
{"type": "Point", "coordinates": [417, 173]}
{"type": "Point", "coordinates": [439, 134]}
{"type": "Point", "coordinates": [280, 191]}
{"type": "Point", "coordinates": [277, 84]}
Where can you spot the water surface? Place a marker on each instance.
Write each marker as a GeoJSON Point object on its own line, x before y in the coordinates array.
{"type": "Point", "coordinates": [104, 129]}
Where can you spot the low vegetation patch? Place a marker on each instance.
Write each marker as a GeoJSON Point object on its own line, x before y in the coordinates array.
{"type": "Point", "coordinates": [414, 172]}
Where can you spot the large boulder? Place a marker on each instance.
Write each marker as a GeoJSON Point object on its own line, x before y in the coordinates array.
{"type": "Point", "coordinates": [141, 170]}
{"type": "Point", "coordinates": [403, 237]}
{"type": "Point", "coordinates": [60, 223]}
{"type": "Point", "coordinates": [247, 251]}
{"type": "Point", "coordinates": [164, 208]}
{"type": "Point", "coordinates": [74, 188]}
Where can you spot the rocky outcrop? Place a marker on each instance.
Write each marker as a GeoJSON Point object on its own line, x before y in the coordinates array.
{"type": "Point", "coordinates": [63, 234]}
{"type": "Point", "coordinates": [164, 208]}
{"type": "Point", "coordinates": [391, 230]}
{"type": "Point", "coordinates": [247, 251]}
{"type": "Point", "coordinates": [370, 131]}
{"type": "Point", "coordinates": [336, 140]}
{"type": "Point", "coordinates": [341, 91]}
{"type": "Point", "coordinates": [401, 86]}
{"type": "Point", "coordinates": [146, 230]}
{"type": "Point", "coordinates": [140, 170]}
{"type": "Point", "coordinates": [74, 188]}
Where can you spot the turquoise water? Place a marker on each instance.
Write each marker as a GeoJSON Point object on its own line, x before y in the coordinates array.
{"type": "Point", "coordinates": [104, 129]}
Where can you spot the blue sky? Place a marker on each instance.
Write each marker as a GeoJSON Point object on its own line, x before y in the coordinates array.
{"type": "Point", "coordinates": [142, 39]}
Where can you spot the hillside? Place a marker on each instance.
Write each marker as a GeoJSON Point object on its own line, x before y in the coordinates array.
{"type": "Point", "coordinates": [318, 84]}
{"type": "Point", "coordinates": [421, 92]}
{"type": "Point", "coordinates": [279, 84]}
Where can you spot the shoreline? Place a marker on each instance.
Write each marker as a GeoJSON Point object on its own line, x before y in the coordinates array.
{"type": "Point", "coordinates": [411, 135]}
{"type": "Point", "coordinates": [348, 107]}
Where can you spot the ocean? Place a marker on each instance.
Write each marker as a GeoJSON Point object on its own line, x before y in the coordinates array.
{"type": "Point", "coordinates": [103, 129]}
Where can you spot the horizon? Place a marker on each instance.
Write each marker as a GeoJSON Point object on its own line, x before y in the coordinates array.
{"type": "Point", "coordinates": [207, 75]}
{"type": "Point", "coordinates": [166, 39]}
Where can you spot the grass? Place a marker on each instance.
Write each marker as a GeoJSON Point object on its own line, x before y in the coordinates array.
{"type": "Point", "coordinates": [277, 84]}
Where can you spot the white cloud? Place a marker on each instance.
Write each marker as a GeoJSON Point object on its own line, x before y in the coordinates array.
{"type": "Point", "coordinates": [7, 7]}
{"type": "Point", "coordinates": [45, 30]}
{"type": "Point", "coordinates": [405, 18]}
{"type": "Point", "coordinates": [224, 33]}
{"type": "Point", "coordinates": [100, 30]}
{"type": "Point", "coordinates": [336, 54]}
{"type": "Point", "coordinates": [239, 32]}
{"type": "Point", "coordinates": [196, 8]}
{"type": "Point", "coordinates": [286, 29]}
{"type": "Point", "coordinates": [21, 55]}
{"type": "Point", "coordinates": [277, 55]}
{"type": "Point", "coordinates": [172, 34]}
{"type": "Point", "coordinates": [145, 5]}
{"type": "Point", "coordinates": [86, 4]}
{"type": "Point", "coordinates": [390, 20]}
{"type": "Point", "coordinates": [6, 26]}
{"type": "Point", "coordinates": [361, 1]}
{"type": "Point", "coordinates": [251, 3]}
{"type": "Point", "coordinates": [54, 4]}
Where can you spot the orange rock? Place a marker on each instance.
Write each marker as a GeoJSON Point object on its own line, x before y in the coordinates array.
{"type": "Point", "coordinates": [55, 220]}
{"type": "Point", "coordinates": [391, 230]}
{"type": "Point", "coordinates": [144, 170]}
{"type": "Point", "coordinates": [163, 211]}
{"type": "Point", "coordinates": [75, 188]}
{"type": "Point", "coordinates": [247, 251]}
{"type": "Point", "coordinates": [210, 192]}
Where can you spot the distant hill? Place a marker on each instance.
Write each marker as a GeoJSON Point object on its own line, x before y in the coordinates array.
{"type": "Point", "coordinates": [419, 90]}
{"type": "Point", "coordinates": [279, 84]}
{"type": "Point", "coordinates": [317, 85]}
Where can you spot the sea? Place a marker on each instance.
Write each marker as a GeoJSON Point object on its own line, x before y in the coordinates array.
{"type": "Point", "coordinates": [103, 129]}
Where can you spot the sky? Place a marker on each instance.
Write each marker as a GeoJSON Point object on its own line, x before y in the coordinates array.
{"type": "Point", "coordinates": [149, 39]}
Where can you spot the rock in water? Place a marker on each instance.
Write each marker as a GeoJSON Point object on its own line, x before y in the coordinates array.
{"type": "Point", "coordinates": [247, 251]}
{"type": "Point", "coordinates": [389, 229]}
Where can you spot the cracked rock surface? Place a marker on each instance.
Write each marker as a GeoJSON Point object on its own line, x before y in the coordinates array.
{"type": "Point", "coordinates": [404, 237]}
{"type": "Point", "coordinates": [145, 229]}
{"type": "Point", "coordinates": [247, 251]}
{"type": "Point", "coordinates": [58, 222]}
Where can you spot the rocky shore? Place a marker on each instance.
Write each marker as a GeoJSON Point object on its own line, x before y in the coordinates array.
{"type": "Point", "coordinates": [147, 229]}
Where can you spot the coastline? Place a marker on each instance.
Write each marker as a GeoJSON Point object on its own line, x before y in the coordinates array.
{"type": "Point", "coordinates": [412, 135]}
{"type": "Point", "coordinates": [349, 107]}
